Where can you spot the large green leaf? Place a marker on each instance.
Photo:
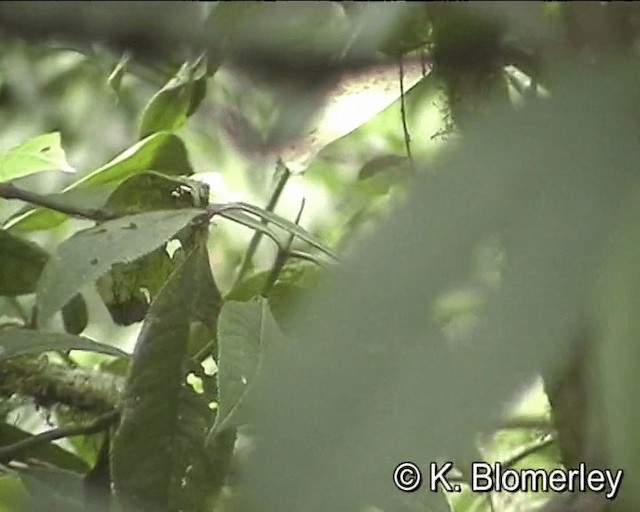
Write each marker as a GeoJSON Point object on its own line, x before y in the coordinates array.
{"type": "Point", "coordinates": [620, 350]}
{"type": "Point", "coordinates": [54, 489]}
{"type": "Point", "coordinates": [162, 152]}
{"type": "Point", "coordinates": [17, 342]}
{"type": "Point", "coordinates": [21, 263]}
{"type": "Point", "coordinates": [375, 381]}
{"type": "Point", "coordinates": [128, 288]}
{"type": "Point", "coordinates": [159, 459]}
{"type": "Point", "coordinates": [170, 107]}
{"type": "Point", "coordinates": [85, 256]}
{"type": "Point", "coordinates": [41, 153]}
{"type": "Point", "coordinates": [245, 331]}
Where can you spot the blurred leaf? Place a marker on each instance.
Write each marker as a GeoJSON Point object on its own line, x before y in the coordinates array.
{"type": "Point", "coordinates": [41, 153]}
{"type": "Point", "coordinates": [13, 495]}
{"type": "Point", "coordinates": [75, 315]}
{"type": "Point", "coordinates": [17, 342]}
{"type": "Point", "coordinates": [245, 331]}
{"type": "Point", "coordinates": [170, 107]}
{"type": "Point", "coordinates": [374, 362]}
{"type": "Point", "coordinates": [54, 490]}
{"type": "Point", "coordinates": [21, 263]}
{"type": "Point", "coordinates": [620, 350]}
{"type": "Point", "coordinates": [85, 256]}
{"type": "Point", "coordinates": [50, 453]}
{"type": "Point", "coordinates": [162, 152]}
{"type": "Point", "coordinates": [169, 469]}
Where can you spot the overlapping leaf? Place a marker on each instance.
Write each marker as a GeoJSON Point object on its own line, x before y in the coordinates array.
{"type": "Point", "coordinates": [158, 453]}
{"type": "Point", "coordinates": [85, 256]}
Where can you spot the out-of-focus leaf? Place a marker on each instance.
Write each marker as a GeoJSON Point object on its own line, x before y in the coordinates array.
{"type": "Point", "coordinates": [245, 331]}
{"type": "Point", "coordinates": [85, 256]}
{"type": "Point", "coordinates": [54, 490]}
{"type": "Point", "coordinates": [547, 180]}
{"type": "Point", "coordinates": [170, 107]}
{"type": "Point", "coordinates": [17, 342]}
{"type": "Point", "coordinates": [41, 153]}
{"type": "Point", "coordinates": [49, 453]}
{"type": "Point", "coordinates": [75, 315]}
{"type": "Point", "coordinates": [13, 495]}
{"type": "Point", "coordinates": [619, 350]}
{"type": "Point", "coordinates": [162, 152]}
{"type": "Point", "coordinates": [21, 263]}
{"type": "Point", "coordinates": [170, 469]}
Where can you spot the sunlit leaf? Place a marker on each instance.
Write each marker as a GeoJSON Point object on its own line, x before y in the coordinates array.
{"type": "Point", "coordinates": [170, 107]}
{"type": "Point", "coordinates": [85, 256]}
{"type": "Point", "coordinates": [41, 153]}
{"type": "Point", "coordinates": [162, 152]}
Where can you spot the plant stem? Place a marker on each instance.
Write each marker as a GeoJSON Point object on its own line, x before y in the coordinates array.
{"type": "Point", "coordinates": [10, 191]}
{"type": "Point", "coordinates": [281, 258]}
{"type": "Point", "coordinates": [257, 237]}
{"type": "Point", "coordinates": [7, 453]}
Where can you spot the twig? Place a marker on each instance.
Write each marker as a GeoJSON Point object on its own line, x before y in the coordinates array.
{"type": "Point", "coordinates": [19, 309]}
{"type": "Point", "coordinates": [281, 258]}
{"type": "Point", "coordinates": [7, 453]}
{"type": "Point", "coordinates": [257, 237]}
{"type": "Point", "coordinates": [10, 191]}
{"type": "Point", "coordinates": [403, 111]}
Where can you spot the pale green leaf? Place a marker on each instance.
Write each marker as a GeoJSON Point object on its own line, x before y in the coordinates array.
{"type": "Point", "coordinates": [41, 153]}
{"type": "Point", "coordinates": [162, 152]}
{"type": "Point", "coordinates": [245, 331]}
{"type": "Point", "coordinates": [85, 256]}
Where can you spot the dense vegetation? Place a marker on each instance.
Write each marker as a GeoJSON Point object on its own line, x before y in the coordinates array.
{"type": "Point", "coordinates": [255, 255]}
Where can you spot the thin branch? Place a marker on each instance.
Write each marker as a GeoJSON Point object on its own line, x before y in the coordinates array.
{"type": "Point", "coordinates": [257, 237]}
{"type": "Point", "coordinates": [7, 453]}
{"type": "Point", "coordinates": [403, 111]}
{"type": "Point", "coordinates": [10, 191]}
{"type": "Point", "coordinates": [281, 257]}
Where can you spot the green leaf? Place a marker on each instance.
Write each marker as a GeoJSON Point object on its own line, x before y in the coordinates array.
{"type": "Point", "coordinates": [50, 453]}
{"type": "Point", "coordinates": [21, 263]}
{"type": "Point", "coordinates": [170, 107]}
{"type": "Point", "coordinates": [162, 152]}
{"type": "Point", "coordinates": [13, 495]}
{"type": "Point", "coordinates": [245, 331]}
{"type": "Point", "coordinates": [88, 254]}
{"type": "Point", "coordinates": [170, 469]}
{"type": "Point", "coordinates": [619, 351]}
{"type": "Point", "coordinates": [54, 489]}
{"type": "Point", "coordinates": [18, 342]}
{"type": "Point", "coordinates": [41, 153]}
{"type": "Point", "coordinates": [75, 315]}
{"type": "Point", "coordinates": [128, 288]}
